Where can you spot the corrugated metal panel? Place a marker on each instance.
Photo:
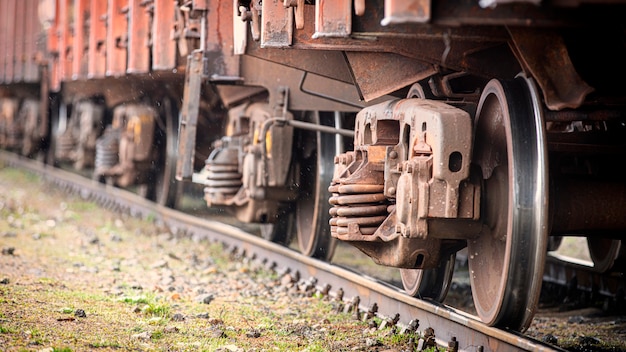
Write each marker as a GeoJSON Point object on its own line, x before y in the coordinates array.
{"type": "Point", "coordinates": [163, 46]}
{"type": "Point", "coordinates": [96, 54]}
{"type": "Point", "coordinates": [139, 30]}
{"type": "Point", "coordinates": [81, 36]}
{"type": "Point", "coordinates": [117, 29]}
{"type": "Point", "coordinates": [66, 19]}
{"type": "Point", "coordinates": [3, 34]}
{"type": "Point", "coordinates": [9, 47]}
{"type": "Point", "coordinates": [53, 49]}
{"type": "Point", "coordinates": [20, 35]}
{"type": "Point", "coordinates": [31, 42]}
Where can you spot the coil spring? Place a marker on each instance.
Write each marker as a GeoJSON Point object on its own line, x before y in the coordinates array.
{"type": "Point", "coordinates": [223, 177]}
{"type": "Point", "coordinates": [361, 204]}
{"type": "Point", "coordinates": [107, 150]}
{"type": "Point", "coordinates": [14, 135]}
{"type": "Point", "coordinates": [65, 145]}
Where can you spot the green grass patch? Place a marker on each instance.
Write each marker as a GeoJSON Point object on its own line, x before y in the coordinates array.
{"type": "Point", "coordinates": [7, 330]}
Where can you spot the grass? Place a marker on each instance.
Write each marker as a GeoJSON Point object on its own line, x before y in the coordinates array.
{"type": "Point", "coordinates": [54, 274]}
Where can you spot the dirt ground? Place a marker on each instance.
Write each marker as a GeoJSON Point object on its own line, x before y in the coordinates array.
{"type": "Point", "coordinates": [75, 277]}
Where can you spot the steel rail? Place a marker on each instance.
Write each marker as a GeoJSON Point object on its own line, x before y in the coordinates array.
{"type": "Point", "coordinates": [448, 323]}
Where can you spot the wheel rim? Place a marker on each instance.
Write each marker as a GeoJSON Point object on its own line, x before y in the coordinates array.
{"type": "Point", "coordinates": [506, 263]}
{"type": "Point", "coordinates": [603, 252]}
{"type": "Point", "coordinates": [280, 231]}
{"type": "Point", "coordinates": [166, 190]}
{"type": "Point", "coordinates": [430, 283]}
{"type": "Point", "coordinates": [316, 173]}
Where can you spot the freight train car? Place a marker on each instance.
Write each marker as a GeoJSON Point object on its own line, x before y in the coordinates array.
{"type": "Point", "coordinates": [410, 129]}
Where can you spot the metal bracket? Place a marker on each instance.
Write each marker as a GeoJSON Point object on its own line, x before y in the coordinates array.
{"type": "Point", "coordinates": [282, 102]}
{"type": "Point", "coordinates": [333, 19]}
{"type": "Point", "coordinates": [276, 25]}
{"type": "Point", "coordinates": [403, 11]}
{"type": "Point", "coordinates": [195, 73]}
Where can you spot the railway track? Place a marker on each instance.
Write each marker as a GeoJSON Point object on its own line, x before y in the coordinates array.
{"type": "Point", "coordinates": [451, 326]}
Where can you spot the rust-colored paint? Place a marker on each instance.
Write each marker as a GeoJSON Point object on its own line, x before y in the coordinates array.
{"type": "Point", "coordinates": [53, 51]}
{"type": "Point", "coordinates": [32, 39]}
{"type": "Point", "coordinates": [277, 25]}
{"type": "Point", "coordinates": [163, 46]}
{"type": "Point", "coordinates": [81, 36]}
{"type": "Point", "coordinates": [19, 55]}
{"type": "Point", "coordinates": [3, 36]}
{"type": "Point", "coordinates": [9, 49]}
{"type": "Point", "coordinates": [544, 54]}
{"type": "Point", "coordinates": [117, 36]}
{"type": "Point", "coordinates": [201, 4]}
{"type": "Point", "coordinates": [403, 11]}
{"type": "Point", "coordinates": [377, 74]}
{"type": "Point", "coordinates": [139, 29]}
{"type": "Point", "coordinates": [333, 18]}
{"type": "Point", "coordinates": [220, 39]}
{"type": "Point", "coordinates": [96, 53]}
{"type": "Point", "coordinates": [66, 22]}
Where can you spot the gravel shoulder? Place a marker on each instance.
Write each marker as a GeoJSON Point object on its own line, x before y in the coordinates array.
{"type": "Point", "coordinates": [75, 277]}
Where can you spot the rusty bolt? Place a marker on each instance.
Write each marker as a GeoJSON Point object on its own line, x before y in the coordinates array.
{"type": "Point", "coordinates": [354, 304]}
{"type": "Point", "coordinates": [392, 190]}
{"type": "Point", "coordinates": [393, 154]}
{"type": "Point", "coordinates": [371, 312]}
{"type": "Point", "coordinates": [453, 345]}
{"type": "Point", "coordinates": [325, 290]}
{"type": "Point", "coordinates": [339, 296]}
{"type": "Point", "coordinates": [412, 327]}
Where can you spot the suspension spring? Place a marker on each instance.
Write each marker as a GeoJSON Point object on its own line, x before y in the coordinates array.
{"type": "Point", "coordinates": [65, 145]}
{"type": "Point", "coordinates": [107, 150]}
{"type": "Point", "coordinates": [223, 176]}
{"type": "Point", "coordinates": [362, 204]}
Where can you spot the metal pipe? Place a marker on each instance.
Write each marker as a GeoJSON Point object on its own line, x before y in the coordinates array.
{"type": "Point", "coordinates": [304, 126]}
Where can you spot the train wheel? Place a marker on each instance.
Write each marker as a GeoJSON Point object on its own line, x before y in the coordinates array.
{"type": "Point", "coordinates": [603, 252]}
{"type": "Point", "coordinates": [58, 116]}
{"type": "Point", "coordinates": [506, 263]}
{"type": "Point", "coordinates": [164, 189]}
{"type": "Point", "coordinates": [316, 163]}
{"type": "Point", "coordinates": [281, 230]}
{"type": "Point", "coordinates": [430, 283]}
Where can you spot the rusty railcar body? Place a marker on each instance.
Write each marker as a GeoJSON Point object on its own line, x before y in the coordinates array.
{"type": "Point", "coordinates": [411, 129]}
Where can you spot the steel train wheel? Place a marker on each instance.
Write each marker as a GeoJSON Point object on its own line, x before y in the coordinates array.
{"type": "Point", "coordinates": [163, 188]}
{"type": "Point", "coordinates": [316, 162]}
{"type": "Point", "coordinates": [603, 252]}
{"type": "Point", "coordinates": [506, 263]}
{"type": "Point", "coordinates": [280, 231]}
{"type": "Point", "coordinates": [430, 283]}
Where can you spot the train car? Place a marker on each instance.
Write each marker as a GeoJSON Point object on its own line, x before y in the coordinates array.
{"type": "Point", "coordinates": [410, 129]}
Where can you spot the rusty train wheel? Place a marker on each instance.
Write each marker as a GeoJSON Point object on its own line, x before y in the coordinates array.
{"type": "Point", "coordinates": [603, 252]}
{"type": "Point", "coordinates": [280, 231]}
{"type": "Point", "coordinates": [164, 189]}
{"type": "Point", "coordinates": [315, 158]}
{"type": "Point", "coordinates": [506, 263]}
{"type": "Point", "coordinates": [430, 283]}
